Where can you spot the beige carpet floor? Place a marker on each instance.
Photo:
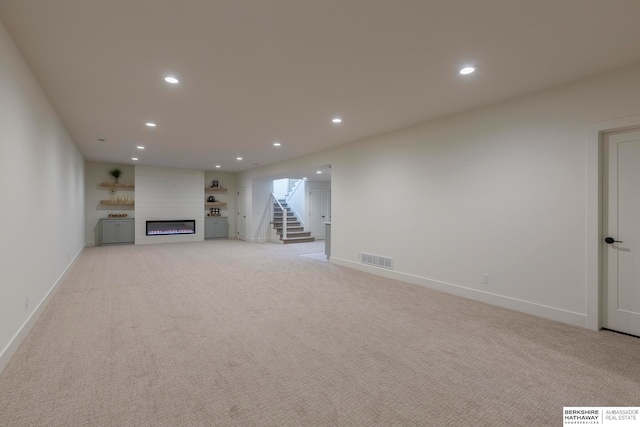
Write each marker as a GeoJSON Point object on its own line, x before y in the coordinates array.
{"type": "Point", "coordinates": [225, 333]}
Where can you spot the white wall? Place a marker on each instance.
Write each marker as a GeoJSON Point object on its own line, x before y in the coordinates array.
{"type": "Point", "coordinates": [168, 194]}
{"type": "Point", "coordinates": [226, 180]}
{"type": "Point", "coordinates": [42, 195]}
{"type": "Point", "coordinates": [498, 190]}
{"type": "Point", "coordinates": [281, 187]}
{"type": "Point", "coordinates": [95, 173]}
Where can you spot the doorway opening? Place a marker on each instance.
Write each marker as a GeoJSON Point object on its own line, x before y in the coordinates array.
{"type": "Point", "coordinates": [301, 205]}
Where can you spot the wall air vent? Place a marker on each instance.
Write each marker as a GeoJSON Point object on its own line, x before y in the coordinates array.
{"type": "Point", "coordinates": [377, 260]}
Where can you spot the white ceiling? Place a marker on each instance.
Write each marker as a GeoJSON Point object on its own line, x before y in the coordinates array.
{"type": "Point", "coordinates": [257, 71]}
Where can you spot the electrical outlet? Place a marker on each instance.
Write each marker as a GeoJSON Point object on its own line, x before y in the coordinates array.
{"type": "Point", "coordinates": [26, 302]}
{"type": "Point", "coordinates": [485, 278]}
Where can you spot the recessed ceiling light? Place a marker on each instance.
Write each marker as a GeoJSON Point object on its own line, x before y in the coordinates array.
{"type": "Point", "coordinates": [277, 144]}
{"type": "Point", "coordinates": [318, 172]}
{"type": "Point", "coordinates": [467, 70]}
{"type": "Point", "coordinates": [140, 147]}
{"type": "Point", "coordinates": [304, 177]}
{"type": "Point", "coordinates": [238, 158]}
{"type": "Point", "coordinates": [337, 120]}
{"type": "Point", "coordinates": [134, 158]}
{"type": "Point", "coordinates": [171, 79]}
{"type": "Point", "coordinates": [217, 166]}
{"type": "Point", "coordinates": [150, 124]}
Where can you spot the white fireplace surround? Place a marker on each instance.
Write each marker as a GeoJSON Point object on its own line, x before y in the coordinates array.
{"type": "Point", "coordinates": [167, 194]}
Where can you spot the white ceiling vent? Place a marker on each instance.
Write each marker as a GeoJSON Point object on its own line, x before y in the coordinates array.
{"type": "Point", "coordinates": [377, 260]}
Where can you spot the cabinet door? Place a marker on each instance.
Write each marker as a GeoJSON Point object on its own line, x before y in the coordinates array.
{"type": "Point", "coordinates": [109, 232]}
{"type": "Point", "coordinates": [209, 228]}
{"type": "Point", "coordinates": [220, 227]}
{"type": "Point", "coordinates": [125, 231]}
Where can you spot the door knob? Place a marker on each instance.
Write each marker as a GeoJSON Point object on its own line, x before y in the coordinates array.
{"type": "Point", "coordinates": [611, 240]}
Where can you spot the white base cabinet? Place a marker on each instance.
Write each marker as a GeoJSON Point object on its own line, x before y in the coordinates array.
{"type": "Point", "coordinates": [114, 231]}
{"type": "Point", "coordinates": [216, 227]}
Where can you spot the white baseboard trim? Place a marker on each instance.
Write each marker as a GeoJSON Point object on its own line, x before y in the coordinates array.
{"type": "Point", "coordinates": [18, 338]}
{"type": "Point", "coordinates": [553, 313]}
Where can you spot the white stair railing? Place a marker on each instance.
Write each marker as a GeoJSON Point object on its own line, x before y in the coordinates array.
{"type": "Point", "coordinates": [284, 216]}
{"type": "Point", "coordinates": [288, 198]}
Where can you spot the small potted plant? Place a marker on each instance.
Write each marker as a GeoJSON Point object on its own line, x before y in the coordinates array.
{"type": "Point", "coordinates": [116, 173]}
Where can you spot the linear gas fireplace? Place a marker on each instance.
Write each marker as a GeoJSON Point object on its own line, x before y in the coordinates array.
{"type": "Point", "coordinates": [178, 226]}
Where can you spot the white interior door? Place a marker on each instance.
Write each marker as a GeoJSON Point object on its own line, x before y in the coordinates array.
{"type": "Point", "coordinates": [317, 213]}
{"type": "Point", "coordinates": [242, 214]}
{"type": "Point", "coordinates": [621, 227]}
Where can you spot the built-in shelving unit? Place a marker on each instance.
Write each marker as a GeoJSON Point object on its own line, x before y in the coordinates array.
{"type": "Point", "coordinates": [115, 187]}
{"type": "Point", "coordinates": [216, 204]}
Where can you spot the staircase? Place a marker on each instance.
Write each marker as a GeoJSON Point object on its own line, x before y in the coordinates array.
{"type": "Point", "coordinates": [292, 185]}
{"type": "Point", "coordinates": [295, 231]}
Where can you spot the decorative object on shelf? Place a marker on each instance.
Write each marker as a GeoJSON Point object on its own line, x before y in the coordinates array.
{"type": "Point", "coordinates": [211, 199]}
{"type": "Point", "coordinates": [116, 173]}
{"type": "Point", "coordinates": [118, 215]}
{"type": "Point", "coordinates": [214, 212]}
{"type": "Point", "coordinates": [215, 184]}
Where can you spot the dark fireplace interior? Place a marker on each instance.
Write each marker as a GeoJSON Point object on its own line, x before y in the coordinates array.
{"type": "Point", "coordinates": [163, 228]}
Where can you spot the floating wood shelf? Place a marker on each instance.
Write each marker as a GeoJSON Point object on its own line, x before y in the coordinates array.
{"type": "Point", "coordinates": [113, 202]}
{"type": "Point", "coordinates": [118, 185]}
{"type": "Point", "coordinates": [215, 204]}
{"type": "Point", "coordinates": [215, 190]}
